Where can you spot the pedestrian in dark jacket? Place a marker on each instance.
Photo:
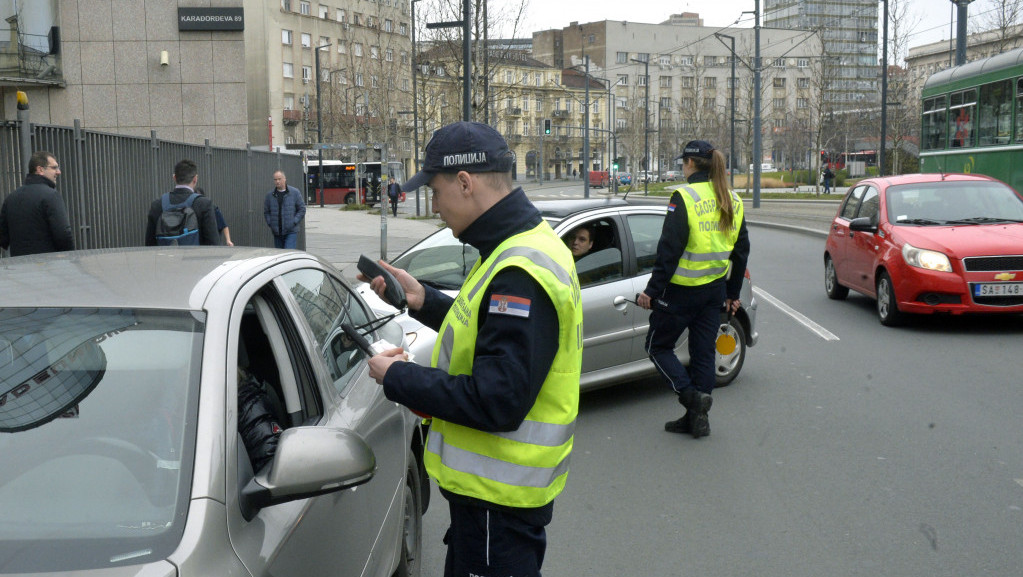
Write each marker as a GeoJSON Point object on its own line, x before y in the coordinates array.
{"type": "Point", "coordinates": [283, 209]}
{"type": "Point", "coordinates": [33, 218]}
{"type": "Point", "coordinates": [186, 179]}
{"type": "Point", "coordinates": [393, 192]}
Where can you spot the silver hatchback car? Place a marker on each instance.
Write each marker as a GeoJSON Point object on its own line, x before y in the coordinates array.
{"type": "Point", "coordinates": [121, 411]}
{"type": "Point", "coordinates": [618, 266]}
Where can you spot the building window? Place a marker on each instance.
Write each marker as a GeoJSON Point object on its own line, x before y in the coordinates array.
{"type": "Point", "coordinates": [374, 52]}
{"type": "Point", "coordinates": [303, 8]}
{"type": "Point", "coordinates": [286, 5]}
{"type": "Point", "coordinates": [687, 81]}
{"type": "Point", "coordinates": [779, 104]}
{"type": "Point", "coordinates": [404, 84]}
{"type": "Point", "coordinates": [307, 40]}
{"type": "Point", "coordinates": [341, 15]}
{"type": "Point", "coordinates": [802, 103]}
{"type": "Point", "coordinates": [340, 46]}
{"type": "Point", "coordinates": [525, 104]}
{"type": "Point", "coordinates": [525, 79]}
{"type": "Point", "coordinates": [568, 105]}
{"type": "Point", "coordinates": [374, 81]}
{"type": "Point", "coordinates": [323, 11]}
{"type": "Point", "coordinates": [307, 73]}
{"type": "Point", "coordinates": [708, 103]}
{"type": "Point", "coordinates": [803, 82]}
{"type": "Point", "coordinates": [779, 83]}
{"type": "Point", "coordinates": [621, 57]}
{"type": "Point", "coordinates": [641, 81]}
{"type": "Point", "coordinates": [591, 38]}
{"type": "Point", "coordinates": [371, 21]}
{"type": "Point", "coordinates": [404, 57]}
{"type": "Point", "coordinates": [389, 55]}
{"type": "Point", "coordinates": [664, 60]}
{"type": "Point", "coordinates": [388, 25]}
{"type": "Point", "coordinates": [289, 70]}
{"type": "Point", "coordinates": [324, 41]}
{"type": "Point", "coordinates": [643, 57]}
{"type": "Point", "coordinates": [710, 60]}
{"type": "Point", "coordinates": [536, 79]}
{"type": "Point", "coordinates": [403, 29]}
{"type": "Point", "coordinates": [358, 79]}
{"type": "Point", "coordinates": [289, 101]}
{"type": "Point", "coordinates": [357, 49]}
{"type": "Point", "coordinates": [324, 75]}
{"type": "Point", "coordinates": [665, 103]}
{"type": "Point", "coordinates": [685, 60]}
{"type": "Point", "coordinates": [539, 103]}
{"type": "Point", "coordinates": [286, 37]}
{"type": "Point", "coordinates": [710, 82]}
{"type": "Point", "coordinates": [803, 63]}
{"type": "Point", "coordinates": [687, 103]}
{"type": "Point", "coordinates": [665, 81]}
{"type": "Point", "coordinates": [623, 80]}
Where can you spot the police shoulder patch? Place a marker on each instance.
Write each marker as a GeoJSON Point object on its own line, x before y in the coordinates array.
{"type": "Point", "coordinates": [509, 305]}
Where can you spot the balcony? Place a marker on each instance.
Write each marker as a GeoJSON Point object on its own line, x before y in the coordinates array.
{"type": "Point", "coordinates": [292, 117]}
{"type": "Point", "coordinates": [561, 114]}
{"type": "Point", "coordinates": [514, 111]}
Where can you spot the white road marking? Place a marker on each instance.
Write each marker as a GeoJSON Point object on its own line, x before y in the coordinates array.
{"type": "Point", "coordinates": [798, 316]}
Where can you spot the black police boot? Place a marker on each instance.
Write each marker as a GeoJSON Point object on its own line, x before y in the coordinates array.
{"type": "Point", "coordinates": [697, 404]}
{"type": "Point", "coordinates": [681, 426]}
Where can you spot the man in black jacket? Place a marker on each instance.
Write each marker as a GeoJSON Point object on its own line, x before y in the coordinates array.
{"type": "Point", "coordinates": [186, 178]}
{"type": "Point", "coordinates": [33, 218]}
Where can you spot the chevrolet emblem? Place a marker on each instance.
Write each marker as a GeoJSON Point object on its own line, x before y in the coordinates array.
{"type": "Point", "coordinates": [1005, 276]}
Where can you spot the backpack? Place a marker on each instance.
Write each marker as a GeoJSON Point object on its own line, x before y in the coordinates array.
{"type": "Point", "coordinates": [178, 224]}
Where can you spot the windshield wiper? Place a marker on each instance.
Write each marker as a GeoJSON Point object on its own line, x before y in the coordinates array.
{"type": "Point", "coordinates": [981, 220]}
{"type": "Point", "coordinates": [922, 221]}
{"type": "Point", "coordinates": [439, 285]}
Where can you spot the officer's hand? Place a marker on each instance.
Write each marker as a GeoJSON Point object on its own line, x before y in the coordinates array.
{"type": "Point", "coordinates": [643, 300]}
{"type": "Point", "coordinates": [415, 294]}
{"type": "Point", "coordinates": [379, 364]}
{"type": "Point", "coordinates": [732, 305]}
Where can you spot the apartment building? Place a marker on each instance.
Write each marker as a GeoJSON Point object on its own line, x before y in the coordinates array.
{"type": "Point", "coordinates": [673, 83]}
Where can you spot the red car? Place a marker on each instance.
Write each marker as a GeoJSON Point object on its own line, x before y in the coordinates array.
{"type": "Point", "coordinates": [928, 243]}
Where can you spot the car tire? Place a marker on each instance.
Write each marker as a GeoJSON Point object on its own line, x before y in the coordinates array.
{"type": "Point", "coordinates": [729, 351]}
{"type": "Point", "coordinates": [350, 198]}
{"type": "Point", "coordinates": [835, 291]}
{"type": "Point", "coordinates": [887, 304]}
{"type": "Point", "coordinates": [410, 553]}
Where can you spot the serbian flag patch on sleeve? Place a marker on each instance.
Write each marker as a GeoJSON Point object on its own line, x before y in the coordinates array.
{"type": "Point", "coordinates": [671, 208]}
{"type": "Point", "coordinates": [509, 305]}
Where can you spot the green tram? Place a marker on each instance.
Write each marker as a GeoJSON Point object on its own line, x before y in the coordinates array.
{"type": "Point", "coordinates": [973, 119]}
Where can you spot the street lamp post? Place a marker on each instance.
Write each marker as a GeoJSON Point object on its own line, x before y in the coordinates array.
{"type": "Point", "coordinates": [415, 102]}
{"type": "Point", "coordinates": [757, 137]}
{"type": "Point", "coordinates": [646, 121]}
{"type": "Point", "coordinates": [586, 133]}
{"type": "Point", "coordinates": [319, 125]}
{"type": "Point", "coordinates": [731, 150]}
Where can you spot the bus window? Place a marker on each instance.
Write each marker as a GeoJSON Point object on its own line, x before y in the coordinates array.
{"type": "Point", "coordinates": [1019, 110]}
{"type": "Point", "coordinates": [962, 110]}
{"type": "Point", "coordinates": [934, 123]}
{"type": "Point", "coordinates": [994, 120]}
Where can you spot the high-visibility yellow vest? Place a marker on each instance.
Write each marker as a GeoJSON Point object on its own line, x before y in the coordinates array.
{"type": "Point", "coordinates": [526, 467]}
{"type": "Point", "coordinates": [705, 257]}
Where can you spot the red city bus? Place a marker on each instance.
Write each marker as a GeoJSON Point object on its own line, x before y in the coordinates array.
{"type": "Point", "coordinates": [340, 185]}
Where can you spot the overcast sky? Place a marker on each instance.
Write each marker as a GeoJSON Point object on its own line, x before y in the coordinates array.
{"type": "Point", "coordinates": [931, 18]}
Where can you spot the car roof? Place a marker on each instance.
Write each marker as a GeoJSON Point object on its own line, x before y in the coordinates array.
{"type": "Point", "coordinates": [919, 178]}
{"type": "Point", "coordinates": [141, 277]}
{"type": "Point", "coordinates": [560, 209]}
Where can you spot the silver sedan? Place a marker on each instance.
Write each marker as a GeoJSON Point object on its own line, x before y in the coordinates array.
{"type": "Point", "coordinates": [616, 268]}
{"type": "Point", "coordinates": [121, 422]}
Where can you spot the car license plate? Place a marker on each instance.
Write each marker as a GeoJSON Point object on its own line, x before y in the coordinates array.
{"type": "Point", "coordinates": [998, 289]}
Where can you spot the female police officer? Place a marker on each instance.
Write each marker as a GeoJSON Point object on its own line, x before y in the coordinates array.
{"type": "Point", "coordinates": [703, 230]}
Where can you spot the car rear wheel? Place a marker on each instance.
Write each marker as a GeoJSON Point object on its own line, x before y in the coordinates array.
{"type": "Point", "coordinates": [835, 291]}
{"type": "Point", "coordinates": [410, 556]}
{"type": "Point", "coordinates": [350, 198]}
{"type": "Point", "coordinates": [729, 351]}
{"type": "Point", "coordinates": [887, 305]}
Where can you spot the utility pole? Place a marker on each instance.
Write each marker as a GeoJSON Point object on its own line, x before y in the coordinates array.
{"type": "Point", "coordinates": [757, 144]}
{"type": "Point", "coordinates": [646, 122]}
{"type": "Point", "coordinates": [319, 125]}
{"type": "Point", "coordinates": [961, 14]}
{"type": "Point", "coordinates": [415, 102]}
{"type": "Point", "coordinates": [884, 94]}
{"type": "Point", "coordinates": [586, 134]}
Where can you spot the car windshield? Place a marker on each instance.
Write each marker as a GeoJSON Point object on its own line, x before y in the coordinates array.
{"type": "Point", "coordinates": [97, 432]}
{"type": "Point", "coordinates": [953, 202]}
{"type": "Point", "coordinates": [440, 260]}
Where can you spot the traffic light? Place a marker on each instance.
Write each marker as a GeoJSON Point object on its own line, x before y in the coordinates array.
{"type": "Point", "coordinates": [546, 125]}
{"type": "Point", "coordinates": [614, 167]}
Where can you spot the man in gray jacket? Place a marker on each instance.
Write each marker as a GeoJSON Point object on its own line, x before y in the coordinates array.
{"type": "Point", "coordinates": [33, 218]}
{"type": "Point", "coordinates": [283, 210]}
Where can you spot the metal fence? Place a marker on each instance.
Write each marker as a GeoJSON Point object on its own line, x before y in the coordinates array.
{"type": "Point", "coordinates": [108, 181]}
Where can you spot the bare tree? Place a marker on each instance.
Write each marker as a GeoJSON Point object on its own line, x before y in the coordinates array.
{"type": "Point", "coordinates": [903, 104]}
{"type": "Point", "coordinates": [1003, 20]}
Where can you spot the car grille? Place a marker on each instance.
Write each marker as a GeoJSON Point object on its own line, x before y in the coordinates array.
{"type": "Point", "coordinates": [999, 301]}
{"type": "Point", "coordinates": [993, 263]}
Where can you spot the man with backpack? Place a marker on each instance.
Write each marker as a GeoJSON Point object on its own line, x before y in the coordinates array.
{"type": "Point", "coordinates": [183, 216]}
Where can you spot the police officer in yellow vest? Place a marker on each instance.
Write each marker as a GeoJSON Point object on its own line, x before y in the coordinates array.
{"type": "Point", "coordinates": [701, 260]}
{"type": "Point", "coordinates": [503, 392]}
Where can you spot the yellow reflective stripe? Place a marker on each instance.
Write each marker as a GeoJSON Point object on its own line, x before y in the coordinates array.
{"type": "Point", "coordinates": [543, 434]}
{"type": "Point", "coordinates": [539, 258]}
{"type": "Point", "coordinates": [447, 345]}
{"type": "Point", "coordinates": [493, 469]}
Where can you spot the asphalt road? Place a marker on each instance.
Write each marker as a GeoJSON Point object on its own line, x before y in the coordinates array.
{"type": "Point", "coordinates": [843, 449]}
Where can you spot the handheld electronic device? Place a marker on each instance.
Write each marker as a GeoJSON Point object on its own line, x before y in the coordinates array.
{"type": "Point", "coordinates": [394, 294]}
